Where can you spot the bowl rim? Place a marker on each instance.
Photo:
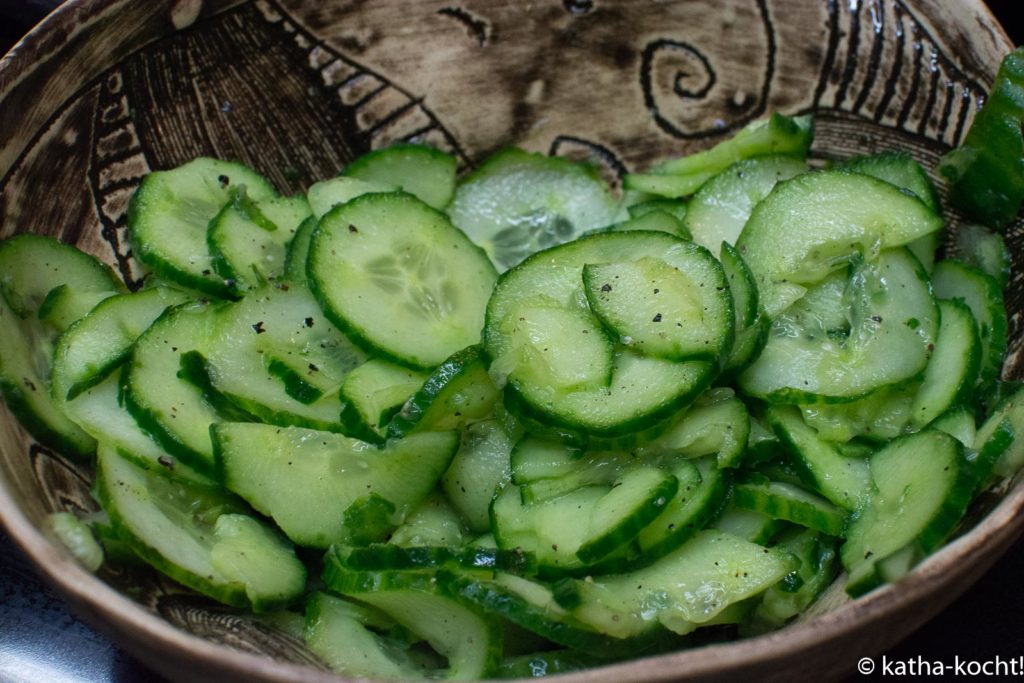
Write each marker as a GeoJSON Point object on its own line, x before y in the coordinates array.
{"type": "Point", "coordinates": [151, 638]}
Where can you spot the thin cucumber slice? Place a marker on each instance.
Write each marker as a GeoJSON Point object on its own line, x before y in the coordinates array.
{"type": "Point", "coordinates": [899, 169]}
{"type": "Point", "coordinates": [881, 415]}
{"type": "Point", "coordinates": [750, 525]}
{"type": "Point", "coordinates": [643, 390]}
{"type": "Point", "coordinates": [457, 392]}
{"type": "Point", "coordinates": [249, 240]}
{"type": "Point", "coordinates": [958, 423]}
{"type": "Point", "coordinates": [817, 222]}
{"type": "Point", "coordinates": [96, 344]}
{"type": "Point", "coordinates": [273, 351]}
{"type": "Point", "coordinates": [199, 536]}
{"type": "Point", "coordinates": [423, 171]}
{"type": "Point", "coordinates": [844, 480]}
{"type": "Point", "coordinates": [470, 642]}
{"type": "Point", "coordinates": [517, 203]}
{"type": "Point", "coordinates": [955, 280]}
{"type": "Point", "coordinates": [952, 372]}
{"type": "Point", "coordinates": [372, 394]}
{"type": "Point", "coordinates": [920, 494]}
{"type": "Point", "coordinates": [793, 504]}
{"type": "Point", "coordinates": [892, 319]}
{"type": "Point", "coordinates": [532, 605]}
{"type": "Point", "coordinates": [173, 410]}
{"type": "Point", "coordinates": [795, 593]}
{"type": "Point", "coordinates": [298, 252]}
{"type": "Point", "coordinates": [399, 278]}
{"type": "Point", "coordinates": [751, 325]}
{"type": "Point", "coordinates": [1010, 410]}
{"type": "Point", "coordinates": [717, 424]}
{"type": "Point", "coordinates": [985, 250]}
{"type": "Point", "coordinates": [65, 305]}
{"type": "Point", "coordinates": [25, 355]}
{"type": "Point", "coordinates": [335, 634]}
{"type": "Point", "coordinates": [169, 215]}
{"type": "Point", "coordinates": [99, 412]}
{"type": "Point", "coordinates": [677, 312]}
{"type": "Point", "coordinates": [683, 590]}
{"type": "Point", "coordinates": [77, 537]}
{"type": "Point", "coordinates": [32, 266]}
{"type": "Point", "coordinates": [327, 194]}
{"type": "Point", "coordinates": [480, 467]}
{"type": "Point", "coordinates": [315, 484]}
{"type": "Point", "coordinates": [384, 556]}
{"type": "Point", "coordinates": [702, 490]}
{"type": "Point", "coordinates": [673, 207]}
{"type": "Point", "coordinates": [635, 500]}
{"type": "Point", "coordinates": [434, 522]}
{"type": "Point", "coordinates": [659, 221]}
{"type": "Point", "coordinates": [720, 209]}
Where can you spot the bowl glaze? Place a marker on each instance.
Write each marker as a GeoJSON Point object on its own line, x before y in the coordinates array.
{"type": "Point", "coordinates": [104, 91]}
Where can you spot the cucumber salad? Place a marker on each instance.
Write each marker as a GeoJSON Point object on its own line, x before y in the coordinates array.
{"type": "Point", "coordinates": [516, 423]}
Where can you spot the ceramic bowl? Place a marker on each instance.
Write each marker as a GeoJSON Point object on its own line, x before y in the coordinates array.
{"type": "Point", "coordinates": [106, 90]}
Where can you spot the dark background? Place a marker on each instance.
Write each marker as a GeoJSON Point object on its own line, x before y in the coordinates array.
{"type": "Point", "coordinates": [41, 641]}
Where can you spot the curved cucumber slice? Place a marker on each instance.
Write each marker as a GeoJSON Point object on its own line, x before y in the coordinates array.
{"type": "Point", "coordinates": [372, 394]}
{"type": "Point", "coordinates": [397, 277]}
{"type": "Point", "coordinates": [33, 266]}
{"type": "Point", "coordinates": [479, 468]}
{"type": "Point", "coordinates": [715, 425]}
{"type": "Point", "coordinates": [470, 642]}
{"type": "Point", "coordinates": [171, 211]}
{"type": "Point", "coordinates": [102, 340]}
{"type": "Point", "coordinates": [518, 203]}
{"type": "Point", "coordinates": [249, 240]}
{"type": "Point", "coordinates": [199, 536]}
{"type": "Point", "coordinates": [817, 222]}
{"type": "Point", "coordinates": [309, 481]}
{"type": "Point", "coordinates": [793, 504]}
{"type": "Point", "coordinates": [677, 312]}
{"type": "Point", "coordinates": [683, 590]}
{"type": "Point", "coordinates": [642, 390]}
{"type": "Point", "coordinates": [720, 209]}
{"type": "Point", "coordinates": [173, 410]}
{"type": "Point", "coordinates": [920, 494]}
{"type": "Point", "coordinates": [981, 293]}
{"type": "Point", "coordinates": [953, 369]}
{"type": "Point", "coordinates": [457, 392]}
{"type": "Point", "coordinates": [892, 320]}
{"type": "Point", "coordinates": [276, 356]}
{"type": "Point", "coordinates": [419, 170]}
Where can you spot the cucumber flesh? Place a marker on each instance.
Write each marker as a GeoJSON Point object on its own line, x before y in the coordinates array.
{"type": "Point", "coordinates": [423, 171]}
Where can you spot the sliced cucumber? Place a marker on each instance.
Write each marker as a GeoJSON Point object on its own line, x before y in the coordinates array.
{"type": "Point", "coordinates": [899, 169]}
{"type": "Point", "coordinates": [659, 221]}
{"type": "Point", "coordinates": [298, 252]}
{"type": "Point", "coordinates": [423, 171]}
{"type": "Point", "coordinates": [920, 494]}
{"type": "Point", "coordinates": [457, 392]}
{"type": "Point", "coordinates": [199, 536]}
{"type": "Point", "coordinates": [720, 209]}
{"type": "Point", "coordinates": [434, 522]}
{"type": "Point", "coordinates": [892, 319]}
{"type": "Point", "coordinates": [817, 222]}
{"type": "Point", "coordinates": [169, 215]}
{"type": "Point", "coordinates": [91, 348]}
{"type": "Point", "coordinates": [372, 394]}
{"type": "Point", "coordinates": [469, 641]}
{"type": "Point", "coordinates": [249, 240]}
{"type": "Point", "coordinates": [274, 351]}
{"type": "Point", "coordinates": [844, 480]}
{"type": "Point", "coordinates": [399, 278]}
{"type": "Point", "coordinates": [643, 390]}
{"type": "Point", "coordinates": [479, 468]}
{"type": "Point", "coordinates": [173, 410]}
{"type": "Point", "coordinates": [676, 311]}
{"type": "Point", "coordinates": [955, 280]}
{"type": "Point", "coordinates": [952, 372]}
{"type": "Point", "coordinates": [985, 250]}
{"type": "Point", "coordinates": [793, 504]}
{"type": "Point", "coordinates": [683, 590]}
{"type": "Point", "coordinates": [1010, 410]}
{"type": "Point", "coordinates": [517, 203]}
{"type": "Point", "coordinates": [717, 424]}
{"type": "Point", "coordinates": [327, 194]}
{"type": "Point", "coordinates": [308, 480]}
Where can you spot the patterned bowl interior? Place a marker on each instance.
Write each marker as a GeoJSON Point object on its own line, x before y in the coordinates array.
{"type": "Point", "coordinates": [297, 89]}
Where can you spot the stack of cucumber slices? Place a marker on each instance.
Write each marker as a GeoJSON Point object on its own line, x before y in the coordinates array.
{"type": "Point", "coordinates": [513, 424]}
